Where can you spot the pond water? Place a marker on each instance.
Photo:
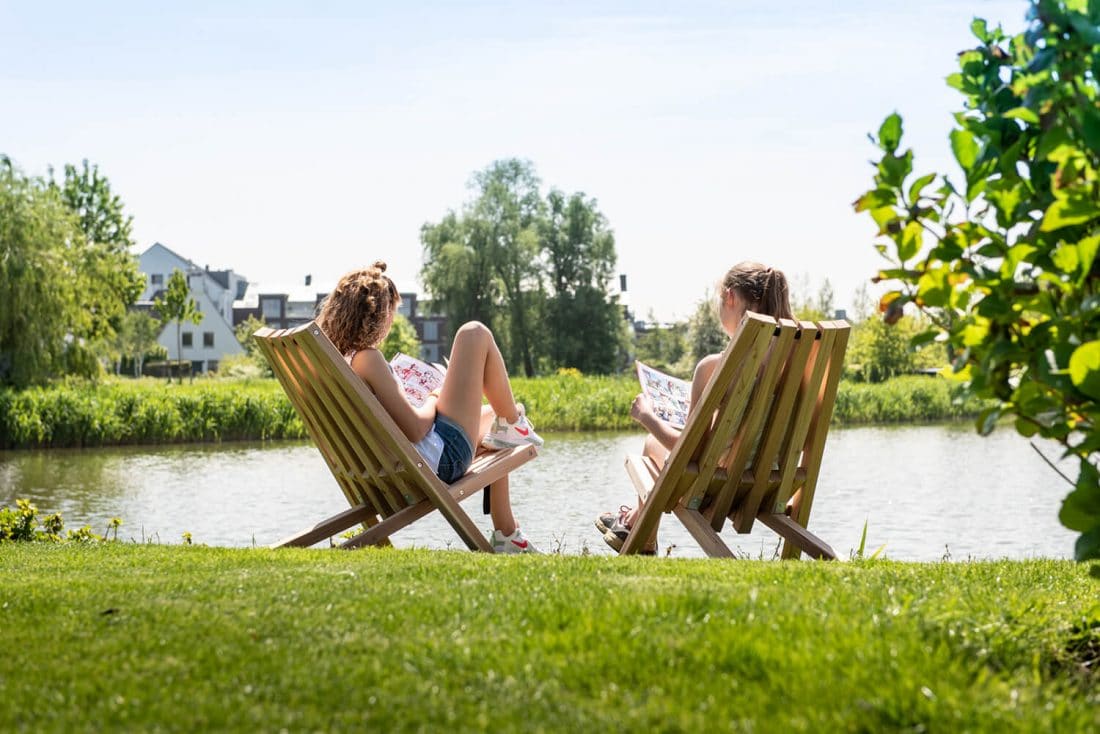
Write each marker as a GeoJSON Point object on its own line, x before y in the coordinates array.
{"type": "Point", "coordinates": [926, 492]}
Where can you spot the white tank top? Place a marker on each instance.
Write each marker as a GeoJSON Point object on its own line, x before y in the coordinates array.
{"type": "Point", "coordinates": [430, 447]}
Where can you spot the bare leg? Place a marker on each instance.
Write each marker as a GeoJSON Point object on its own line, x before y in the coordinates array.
{"type": "Point", "coordinates": [500, 502]}
{"type": "Point", "coordinates": [476, 369]}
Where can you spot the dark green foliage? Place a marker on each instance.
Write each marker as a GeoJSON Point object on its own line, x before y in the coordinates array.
{"type": "Point", "coordinates": [535, 271]}
{"type": "Point", "coordinates": [176, 304]}
{"type": "Point", "coordinates": [145, 412]}
{"type": "Point", "coordinates": [1004, 262]}
{"type": "Point", "coordinates": [66, 274]}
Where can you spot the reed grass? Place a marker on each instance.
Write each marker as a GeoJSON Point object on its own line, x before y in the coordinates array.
{"type": "Point", "coordinates": [148, 411]}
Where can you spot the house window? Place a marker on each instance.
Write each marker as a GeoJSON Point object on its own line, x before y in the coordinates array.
{"type": "Point", "coordinates": [186, 338]}
{"type": "Point", "coordinates": [431, 331]}
{"type": "Point", "coordinates": [271, 309]}
{"type": "Point", "coordinates": [156, 279]}
{"type": "Point", "coordinates": [208, 339]}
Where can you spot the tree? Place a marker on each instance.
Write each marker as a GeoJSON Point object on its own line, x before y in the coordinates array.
{"type": "Point", "coordinates": [402, 338]}
{"type": "Point", "coordinates": [109, 279]}
{"type": "Point", "coordinates": [39, 299]}
{"type": "Point", "coordinates": [705, 335]}
{"type": "Point", "coordinates": [506, 217]}
{"type": "Point", "coordinates": [140, 332]}
{"type": "Point", "coordinates": [458, 272]}
{"type": "Point", "coordinates": [176, 304]}
{"type": "Point", "coordinates": [1004, 264]}
{"type": "Point", "coordinates": [583, 322]}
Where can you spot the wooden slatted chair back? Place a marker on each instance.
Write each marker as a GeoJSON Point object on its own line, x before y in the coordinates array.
{"type": "Point", "coordinates": [757, 437]}
{"type": "Point", "coordinates": [372, 460]}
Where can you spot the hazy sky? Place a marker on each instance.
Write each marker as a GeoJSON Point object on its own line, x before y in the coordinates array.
{"type": "Point", "coordinates": [281, 138]}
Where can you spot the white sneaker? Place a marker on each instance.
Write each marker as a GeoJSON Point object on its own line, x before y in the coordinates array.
{"type": "Point", "coordinates": [514, 543]}
{"type": "Point", "coordinates": [505, 435]}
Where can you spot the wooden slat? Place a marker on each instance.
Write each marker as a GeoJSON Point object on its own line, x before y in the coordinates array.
{"type": "Point", "coordinates": [270, 342]}
{"type": "Point", "coordinates": [815, 442]}
{"type": "Point", "coordinates": [805, 404]}
{"type": "Point", "coordinates": [352, 417]}
{"type": "Point", "coordinates": [735, 414]}
{"type": "Point", "coordinates": [797, 536]}
{"type": "Point", "coordinates": [328, 433]}
{"type": "Point", "coordinates": [706, 536]}
{"type": "Point", "coordinates": [725, 392]}
{"type": "Point", "coordinates": [760, 402]}
{"type": "Point", "coordinates": [747, 505]}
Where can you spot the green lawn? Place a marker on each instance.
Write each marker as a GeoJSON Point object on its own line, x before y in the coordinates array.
{"type": "Point", "coordinates": [128, 637]}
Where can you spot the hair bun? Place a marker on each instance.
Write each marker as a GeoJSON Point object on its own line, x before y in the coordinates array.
{"type": "Point", "coordinates": [381, 265]}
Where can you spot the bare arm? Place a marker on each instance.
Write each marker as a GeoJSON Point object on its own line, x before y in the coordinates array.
{"type": "Point", "coordinates": [372, 367]}
{"type": "Point", "coordinates": [664, 432]}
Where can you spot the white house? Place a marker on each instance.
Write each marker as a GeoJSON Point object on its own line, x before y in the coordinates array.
{"type": "Point", "coordinates": [208, 342]}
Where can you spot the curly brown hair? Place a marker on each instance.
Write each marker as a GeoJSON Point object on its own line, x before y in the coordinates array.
{"type": "Point", "coordinates": [764, 289]}
{"type": "Point", "coordinates": [355, 315]}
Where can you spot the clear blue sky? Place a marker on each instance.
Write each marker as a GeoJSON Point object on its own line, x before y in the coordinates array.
{"type": "Point", "coordinates": [281, 138]}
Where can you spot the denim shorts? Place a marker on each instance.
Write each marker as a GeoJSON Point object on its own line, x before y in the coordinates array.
{"type": "Point", "coordinates": [458, 451]}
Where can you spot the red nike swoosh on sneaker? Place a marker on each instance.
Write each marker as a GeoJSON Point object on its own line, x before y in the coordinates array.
{"type": "Point", "coordinates": [522, 431]}
{"type": "Point", "coordinates": [520, 545]}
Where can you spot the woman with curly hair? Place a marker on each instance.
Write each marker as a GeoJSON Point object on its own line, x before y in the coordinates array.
{"type": "Point", "coordinates": [357, 316]}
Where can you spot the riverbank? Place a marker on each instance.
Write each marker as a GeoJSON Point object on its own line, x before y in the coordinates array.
{"type": "Point", "coordinates": [149, 638]}
{"type": "Point", "coordinates": [147, 411]}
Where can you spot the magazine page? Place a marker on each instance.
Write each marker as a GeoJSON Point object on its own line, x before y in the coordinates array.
{"type": "Point", "coordinates": [418, 378]}
{"type": "Point", "coordinates": [670, 396]}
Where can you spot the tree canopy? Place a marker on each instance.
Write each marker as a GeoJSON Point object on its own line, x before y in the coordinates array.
{"type": "Point", "coordinates": [536, 270]}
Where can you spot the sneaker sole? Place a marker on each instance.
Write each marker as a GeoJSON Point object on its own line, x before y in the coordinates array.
{"type": "Point", "coordinates": [492, 443]}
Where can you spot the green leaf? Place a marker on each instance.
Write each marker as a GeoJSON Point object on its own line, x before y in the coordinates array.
{"type": "Point", "coordinates": [1081, 508]}
{"type": "Point", "coordinates": [1022, 113]}
{"type": "Point", "coordinates": [978, 28]}
{"type": "Point", "coordinates": [919, 185]}
{"type": "Point", "coordinates": [1087, 546]}
{"type": "Point", "coordinates": [987, 420]}
{"type": "Point", "coordinates": [1076, 208]}
{"type": "Point", "coordinates": [1084, 368]}
{"type": "Point", "coordinates": [889, 133]}
{"type": "Point", "coordinates": [932, 288]}
{"type": "Point", "coordinates": [1066, 258]}
{"type": "Point", "coordinates": [965, 148]}
{"type": "Point", "coordinates": [1086, 254]}
{"type": "Point", "coordinates": [875, 199]}
{"type": "Point", "coordinates": [1027, 429]}
{"type": "Point", "coordinates": [910, 243]}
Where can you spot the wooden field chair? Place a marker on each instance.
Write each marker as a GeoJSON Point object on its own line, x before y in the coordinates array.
{"type": "Point", "coordinates": [383, 477]}
{"type": "Point", "coordinates": [752, 448]}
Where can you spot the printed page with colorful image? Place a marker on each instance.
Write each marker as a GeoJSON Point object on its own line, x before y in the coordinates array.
{"type": "Point", "coordinates": [670, 396]}
{"type": "Point", "coordinates": [416, 377]}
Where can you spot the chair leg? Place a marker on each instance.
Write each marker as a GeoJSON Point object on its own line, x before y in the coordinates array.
{"type": "Point", "coordinates": [327, 528]}
{"type": "Point", "coordinates": [700, 528]}
{"type": "Point", "coordinates": [796, 536]}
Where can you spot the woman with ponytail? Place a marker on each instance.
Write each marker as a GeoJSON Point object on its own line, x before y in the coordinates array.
{"type": "Point", "coordinates": [357, 316]}
{"type": "Point", "coordinates": [747, 286]}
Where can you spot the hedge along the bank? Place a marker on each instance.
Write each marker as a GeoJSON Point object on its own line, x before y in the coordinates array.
{"type": "Point", "coordinates": [147, 412]}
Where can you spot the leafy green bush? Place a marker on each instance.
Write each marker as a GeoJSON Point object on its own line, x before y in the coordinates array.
{"type": "Point", "coordinates": [1005, 265]}
{"type": "Point", "coordinates": [22, 524]}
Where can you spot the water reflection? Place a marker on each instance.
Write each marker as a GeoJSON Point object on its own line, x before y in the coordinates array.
{"type": "Point", "coordinates": [925, 492]}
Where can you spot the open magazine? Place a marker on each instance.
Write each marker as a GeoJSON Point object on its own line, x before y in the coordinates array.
{"type": "Point", "coordinates": [670, 396]}
{"type": "Point", "coordinates": [417, 377]}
